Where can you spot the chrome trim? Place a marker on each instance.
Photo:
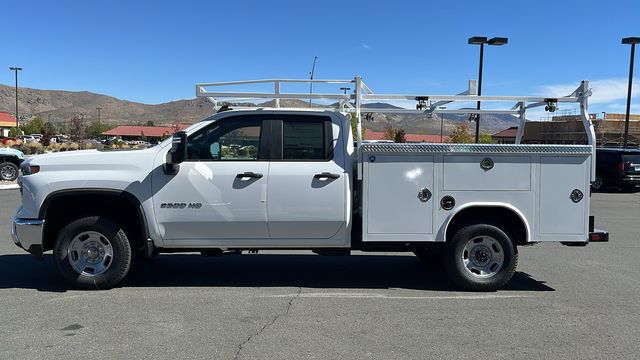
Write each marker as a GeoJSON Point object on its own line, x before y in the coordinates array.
{"type": "Point", "coordinates": [27, 234]}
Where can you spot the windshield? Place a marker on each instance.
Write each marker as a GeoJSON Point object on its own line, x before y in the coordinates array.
{"type": "Point", "coordinates": [633, 159]}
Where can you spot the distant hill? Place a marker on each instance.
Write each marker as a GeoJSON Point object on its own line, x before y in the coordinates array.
{"type": "Point", "coordinates": [59, 106]}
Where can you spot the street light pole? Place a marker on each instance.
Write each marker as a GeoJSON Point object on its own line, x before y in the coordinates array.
{"type": "Point", "coordinates": [16, 69]}
{"type": "Point", "coordinates": [313, 68]}
{"type": "Point", "coordinates": [482, 40]}
{"type": "Point", "coordinates": [442, 123]}
{"type": "Point", "coordinates": [629, 41]}
{"type": "Point", "coordinates": [479, 92]}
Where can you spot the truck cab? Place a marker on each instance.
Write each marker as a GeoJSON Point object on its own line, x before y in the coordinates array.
{"type": "Point", "coordinates": [261, 178]}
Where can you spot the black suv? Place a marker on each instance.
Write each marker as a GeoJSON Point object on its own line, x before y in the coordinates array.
{"type": "Point", "coordinates": [617, 167]}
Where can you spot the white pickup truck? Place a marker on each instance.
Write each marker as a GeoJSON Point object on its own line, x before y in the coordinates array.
{"type": "Point", "coordinates": [277, 178]}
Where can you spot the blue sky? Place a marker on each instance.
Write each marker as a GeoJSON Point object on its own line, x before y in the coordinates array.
{"type": "Point", "coordinates": [155, 51]}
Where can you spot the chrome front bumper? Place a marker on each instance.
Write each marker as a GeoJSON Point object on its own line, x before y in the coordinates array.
{"type": "Point", "coordinates": [27, 234]}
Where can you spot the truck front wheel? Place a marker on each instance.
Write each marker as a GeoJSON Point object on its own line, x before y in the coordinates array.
{"type": "Point", "coordinates": [481, 257]}
{"type": "Point", "coordinates": [92, 253]}
{"type": "Point", "coordinates": [8, 171]}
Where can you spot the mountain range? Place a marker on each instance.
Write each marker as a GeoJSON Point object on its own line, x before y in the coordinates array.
{"type": "Point", "coordinates": [60, 106]}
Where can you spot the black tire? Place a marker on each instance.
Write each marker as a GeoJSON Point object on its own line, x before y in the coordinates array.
{"type": "Point", "coordinates": [477, 247]}
{"type": "Point", "coordinates": [99, 235]}
{"type": "Point", "coordinates": [9, 171]}
{"type": "Point", "coordinates": [598, 184]}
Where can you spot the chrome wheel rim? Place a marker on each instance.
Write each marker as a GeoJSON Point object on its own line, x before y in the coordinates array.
{"type": "Point", "coordinates": [482, 257]}
{"type": "Point", "coordinates": [8, 172]}
{"type": "Point", "coordinates": [90, 253]}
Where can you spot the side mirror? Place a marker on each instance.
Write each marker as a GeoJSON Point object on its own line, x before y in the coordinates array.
{"type": "Point", "coordinates": [177, 154]}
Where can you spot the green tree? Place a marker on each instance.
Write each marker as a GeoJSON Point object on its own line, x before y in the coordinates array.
{"type": "Point", "coordinates": [460, 134]}
{"type": "Point", "coordinates": [150, 123]}
{"type": "Point", "coordinates": [34, 126]}
{"type": "Point", "coordinates": [486, 139]}
{"type": "Point", "coordinates": [12, 132]}
{"type": "Point", "coordinates": [95, 129]}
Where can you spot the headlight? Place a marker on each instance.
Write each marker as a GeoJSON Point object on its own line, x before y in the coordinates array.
{"type": "Point", "coordinates": [28, 169]}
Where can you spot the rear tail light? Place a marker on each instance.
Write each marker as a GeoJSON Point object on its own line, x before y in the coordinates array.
{"type": "Point", "coordinates": [620, 166]}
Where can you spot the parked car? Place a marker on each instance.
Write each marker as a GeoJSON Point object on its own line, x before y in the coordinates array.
{"type": "Point", "coordinates": [10, 160]}
{"type": "Point", "coordinates": [617, 167]}
{"type": "Point", "coordinates": [26, 138]}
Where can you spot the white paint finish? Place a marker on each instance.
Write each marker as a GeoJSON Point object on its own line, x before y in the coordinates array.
{"type": "Point", "coordinates": [392, 205]}
{"type": "Point", "coordinates": [502, 205]}
{"type": "Point", "coordinates": [232, 206]}
{"type": "Point", "coordinates": [301, 206]}
{"type": "Point", "coordinates": [463, 172]}
{"type": "Point", "coordinates": [88, 169]}
{"type": "Point", "coordinates": [522, 201]}
{"type": "Point", "coordinates": [559, 176]}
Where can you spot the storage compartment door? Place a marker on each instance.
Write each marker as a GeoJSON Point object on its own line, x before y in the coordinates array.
{"type": "Point", "coordinates": [392, 202]}
{"type": "Point", "coordinates": [559, 176]}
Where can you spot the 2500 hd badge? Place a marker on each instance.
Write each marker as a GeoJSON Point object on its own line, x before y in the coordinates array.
{"type": "Point", "coordinates": [180, 205]}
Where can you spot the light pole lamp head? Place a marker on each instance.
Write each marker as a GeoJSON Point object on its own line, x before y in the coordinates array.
{"type": "Point", "coordinates": [478, 40]}
{"type": "Point", "coordinates": [498, 41]}
{"type": "Point", "coordinates": [631, 40]}
{"type": "Point", "coordinates": [15, 68]}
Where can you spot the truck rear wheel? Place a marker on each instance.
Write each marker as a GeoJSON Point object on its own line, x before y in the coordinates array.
{"type": "Point", "coordinates": [92, 253]}
{"type": "Point", "coordinates": [481, 257]}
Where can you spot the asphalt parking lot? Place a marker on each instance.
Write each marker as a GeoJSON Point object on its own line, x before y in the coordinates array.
{"type": "Point", "coordinates": [563, 303]}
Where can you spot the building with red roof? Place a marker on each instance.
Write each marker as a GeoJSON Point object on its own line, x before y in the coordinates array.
{"type": "Point", "coordinates": [152, 133]}
{"type": "Point", "coordinates": [7, 122]}
{"type": "Point", "coordinates": [411, 138]}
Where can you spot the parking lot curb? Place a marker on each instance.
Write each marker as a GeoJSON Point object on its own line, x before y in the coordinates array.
{"type": "Point", "coordinates": [10, 187]}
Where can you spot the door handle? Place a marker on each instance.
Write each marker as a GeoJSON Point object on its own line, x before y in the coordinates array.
{"type": "Point", "coordinates": [249, 174]}
{"type": "Point", "coordinates": [326, 175]}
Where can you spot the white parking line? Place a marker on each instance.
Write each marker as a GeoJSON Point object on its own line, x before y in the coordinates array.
{"type": "Point", "coordinates": [9, 187]}
{"type": "Point", "coordinates": [397, 297]}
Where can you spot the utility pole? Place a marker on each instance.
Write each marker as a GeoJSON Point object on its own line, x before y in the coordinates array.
{"type": "Point", "coordinates": [16, 69]}
{"type": "Point", "coordinates": [313, 68]}
{"type": "Point", "coordinates": [98, 108]}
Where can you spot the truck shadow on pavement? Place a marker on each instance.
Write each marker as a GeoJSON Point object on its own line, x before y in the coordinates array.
{"type": "Point", "coordinates": [269, 270]}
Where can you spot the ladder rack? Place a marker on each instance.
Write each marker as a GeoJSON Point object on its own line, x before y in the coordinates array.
{"type": "Point", "coordinates": [353, 103]}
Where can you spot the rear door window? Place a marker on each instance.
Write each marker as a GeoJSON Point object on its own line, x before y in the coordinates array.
{"type": "Point", "coordinates": [307, 138]}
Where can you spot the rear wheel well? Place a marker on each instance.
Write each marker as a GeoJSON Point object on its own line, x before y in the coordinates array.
{"type": "Point", "coordinates": [59, 210]}
{"type": "Point", "coordinates": [504, 218]}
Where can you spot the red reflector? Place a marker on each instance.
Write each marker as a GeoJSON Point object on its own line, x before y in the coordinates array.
{"type": "Point", "coordinates": [595, 237]}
